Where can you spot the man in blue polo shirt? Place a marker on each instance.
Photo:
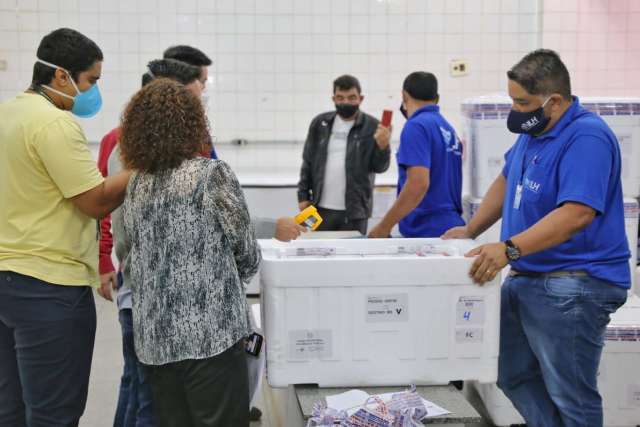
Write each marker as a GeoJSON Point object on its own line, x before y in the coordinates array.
{"type": "Point", "coordinates": [429, 166]}
{"type": "Point", "coordinates": [560, 199]}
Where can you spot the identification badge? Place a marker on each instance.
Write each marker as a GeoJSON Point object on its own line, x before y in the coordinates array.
{"type": "Point", "coordinates": [518, 197]}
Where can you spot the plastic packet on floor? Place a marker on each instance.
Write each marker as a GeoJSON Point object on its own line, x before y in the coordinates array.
{"type": "Point", "coordinates": [402, 409]}
{"type": "Point", "coordinates": [408, 408]}
{"type": "Point", "coordinates": [321, 416]}
{"type": "Point", "coordinates": [374, 413]}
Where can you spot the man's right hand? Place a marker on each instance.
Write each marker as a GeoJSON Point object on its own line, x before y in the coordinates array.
{"type": "Point", "coordinates": [287, 229]}
{"type": "Point", "coordinates": [382, 136]}
{"type": "Point", "coordinates": [304, 205]}
{"type": "Point", "coordinates": [457, 233]}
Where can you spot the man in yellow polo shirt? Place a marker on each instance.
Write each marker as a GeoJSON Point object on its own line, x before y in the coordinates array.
{"type": "Point", "coordinates": [51, 194]}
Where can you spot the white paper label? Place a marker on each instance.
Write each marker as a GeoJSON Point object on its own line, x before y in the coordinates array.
{"type": "Point", "coordinates": [310, 344]}
{"type": "Point", "coordinates": [468, 335]}
{"type": "Point", "coordinates": [470, 311]}
{"type": "Point", "coordinates": [387, 308]}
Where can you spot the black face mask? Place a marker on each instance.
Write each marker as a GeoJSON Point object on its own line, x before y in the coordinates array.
{"type": "Point", "coordinates": [403, 111]}
{"type": "Point", "coordinates": [346, 111]}
{"type": "Point", "coordinates": [531, 123]}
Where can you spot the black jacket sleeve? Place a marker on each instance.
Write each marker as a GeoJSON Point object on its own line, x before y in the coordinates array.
{"type": "Point", "coordinates": [305, 183]}
{"type": "Point", "coordinates": [380, 159]}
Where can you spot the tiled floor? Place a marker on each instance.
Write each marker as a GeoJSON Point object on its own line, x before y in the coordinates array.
{"type": "Point", "coordinates": [106, 368]}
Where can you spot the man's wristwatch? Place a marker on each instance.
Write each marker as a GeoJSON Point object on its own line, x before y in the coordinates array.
{"type": "Point", "coordinates": [512, 251]}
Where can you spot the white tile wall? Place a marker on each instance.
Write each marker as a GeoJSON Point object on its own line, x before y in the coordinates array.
{"type": "Point", "coordinates": [600, 42]}
{"type": "Point", "coordinates": [275, 60]}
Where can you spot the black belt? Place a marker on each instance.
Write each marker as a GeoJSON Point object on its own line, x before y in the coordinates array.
{"type": "Point", "coordinates": [568, 273]}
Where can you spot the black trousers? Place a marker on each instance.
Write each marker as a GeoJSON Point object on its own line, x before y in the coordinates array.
{"type": "Point", "coordinates": [333, 220]}
{"type": "Point", "coordinates": [211, 392]}
{"type": "Point", "coordinates": [46, 346]}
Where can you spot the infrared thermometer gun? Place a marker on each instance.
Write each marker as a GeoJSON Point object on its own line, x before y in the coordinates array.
{"type": "Point", "coordinates": [309, 218]}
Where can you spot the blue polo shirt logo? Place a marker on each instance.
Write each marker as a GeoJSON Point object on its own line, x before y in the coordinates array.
{"type": "Point", "coordinates": [453, 146]}
{"type": "Point", "coordinates": [532, 185]}
{"type": "Point", "coordinates": [446, 135]}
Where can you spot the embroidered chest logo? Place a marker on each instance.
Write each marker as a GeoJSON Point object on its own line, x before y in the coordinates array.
{"type": "Point", "coordinates": [451, 141]}
{"type": "Point", "coordinates": [532, 185]}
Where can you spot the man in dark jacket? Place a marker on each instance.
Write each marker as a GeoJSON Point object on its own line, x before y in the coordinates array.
{"type": "Point", "coordinates": [343, 152]}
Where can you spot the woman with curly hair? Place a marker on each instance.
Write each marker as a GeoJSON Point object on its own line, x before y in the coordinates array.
{"type": "Point", "coordinates": [191, 248]}
{"type": "Point", "coordinates": [135, 406]}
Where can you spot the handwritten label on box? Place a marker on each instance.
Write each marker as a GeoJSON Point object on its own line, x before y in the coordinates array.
{"type": "Point", "coordinates": [470, 311]}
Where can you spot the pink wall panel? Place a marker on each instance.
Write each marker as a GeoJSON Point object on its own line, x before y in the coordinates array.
{"type": "Point", "coordinates": [600, 42]}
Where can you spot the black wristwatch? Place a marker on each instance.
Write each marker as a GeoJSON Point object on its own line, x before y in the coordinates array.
{"type": "Point", "coordinates": [512, 251]}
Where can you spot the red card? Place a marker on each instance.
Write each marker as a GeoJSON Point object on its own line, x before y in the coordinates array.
{"type": "Point", "coordinates": [386, 118]}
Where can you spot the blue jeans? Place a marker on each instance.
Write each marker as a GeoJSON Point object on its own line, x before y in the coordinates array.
{"type": "Point", "coordinates": [46, 345]}
{"type": "Point", "coordinates": [135, 407]}
{"type": "Point", "coordinates": [551, 339]}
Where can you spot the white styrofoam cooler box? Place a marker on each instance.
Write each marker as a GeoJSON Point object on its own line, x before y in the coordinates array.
{"type": "Point", "coordinates": [619, 381]}
{"type": "Point", "coordinates": [376, 312]}
{"type": "Point", "coordinates": [280, 200]}
{"type": "Point", "coordinates": [470, 206]}
{"type": "Point", "coordinates": [631, 217]}
{"type": "Point", "coordinates": [623, 117]}
{"type": "Point", "coordinates": [253, 287]}
{"type": "Point", "coordinates": [488, 138]}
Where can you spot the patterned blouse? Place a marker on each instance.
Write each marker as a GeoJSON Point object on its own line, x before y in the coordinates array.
{"type": "Point", "coordinates": [192, 248]}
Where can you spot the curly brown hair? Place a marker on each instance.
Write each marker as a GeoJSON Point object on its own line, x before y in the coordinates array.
{"type": "Point", "coordinates": [163, 125]}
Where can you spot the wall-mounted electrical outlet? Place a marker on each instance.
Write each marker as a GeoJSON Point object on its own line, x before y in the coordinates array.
{"type": "Point", "coordinates": [458, 67]}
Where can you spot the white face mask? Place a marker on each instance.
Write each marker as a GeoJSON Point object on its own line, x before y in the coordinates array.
{"type": "Point", "coordinates": [70, 78]}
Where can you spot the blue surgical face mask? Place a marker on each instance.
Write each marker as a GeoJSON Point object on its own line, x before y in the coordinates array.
{"type": "Point", "coordinates": [531, 123]}
{"type": "Point", "coordinates": [85, 104]}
